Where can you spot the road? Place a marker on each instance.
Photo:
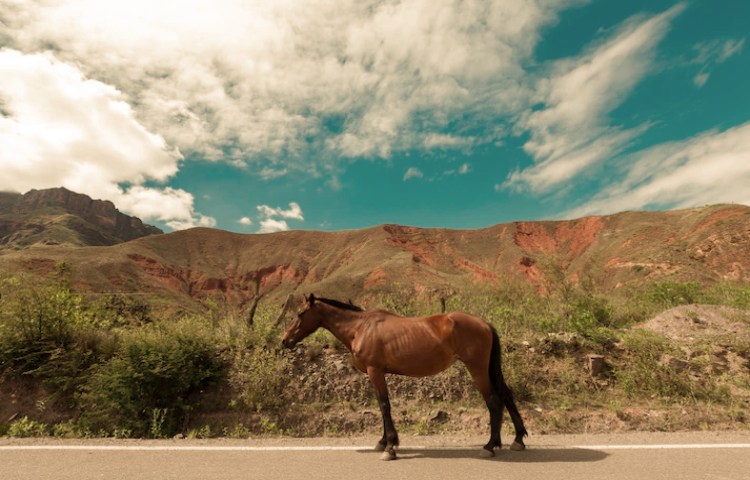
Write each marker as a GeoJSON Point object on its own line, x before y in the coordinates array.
{"type": "Point", "coordinates": [709, 456]}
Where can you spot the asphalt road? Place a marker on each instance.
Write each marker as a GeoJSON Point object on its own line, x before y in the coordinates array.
{"type": "Point", "coordinates": [689, 456]}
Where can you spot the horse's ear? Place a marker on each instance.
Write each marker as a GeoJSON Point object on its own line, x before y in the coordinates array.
{"type": "Point", "coordinates": [311, 298]}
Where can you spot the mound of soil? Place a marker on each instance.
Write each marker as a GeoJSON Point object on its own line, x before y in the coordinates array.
{"type": "Point", "coordinates": [702, 323]}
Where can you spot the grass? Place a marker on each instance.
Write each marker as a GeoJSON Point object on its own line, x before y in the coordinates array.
{"type": "Point", "coordinates": [111, 366]}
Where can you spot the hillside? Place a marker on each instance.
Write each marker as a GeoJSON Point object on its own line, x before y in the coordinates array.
{"type": "Point", "coordinates": [58, 216]}
{"type": "Point", "coordinates": [703, 244]}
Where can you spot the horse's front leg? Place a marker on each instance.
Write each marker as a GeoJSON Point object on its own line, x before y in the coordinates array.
{"type": "Point", "coordinates": [389, 442]}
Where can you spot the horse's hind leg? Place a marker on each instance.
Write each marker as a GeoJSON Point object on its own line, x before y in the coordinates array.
{"type": "Point", "coordinates": [495, 407]}
{"type": "Point", "coordinates": [515, 416]}
{"type": "Point", "coordinates": [389, 441]}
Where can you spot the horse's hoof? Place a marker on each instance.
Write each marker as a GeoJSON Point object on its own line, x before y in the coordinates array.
{"type": "Point", "coordinates": [388, 455]}
{"type": "Point", "coordinates": [380, 447]}
{"type": "Point", "coordinates": [517, 446]}
{"type": "Point", "coordinates": [486, 453]}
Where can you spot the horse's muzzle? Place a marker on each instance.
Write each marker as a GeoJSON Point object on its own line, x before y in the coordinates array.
{"type": "Point", "coordinates": [289, 343]}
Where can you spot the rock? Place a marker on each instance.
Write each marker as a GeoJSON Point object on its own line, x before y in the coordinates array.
{"type": "Point", "coordinates": [440, 417]}
{"type": "Point", "coordinates": [597, 365]}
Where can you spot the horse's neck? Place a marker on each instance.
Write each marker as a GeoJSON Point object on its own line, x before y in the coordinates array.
{"type": "Point", "coordinates": [343, 324]}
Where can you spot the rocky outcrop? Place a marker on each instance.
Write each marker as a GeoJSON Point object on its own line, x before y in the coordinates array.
{"type": "Point", "coordinates": [59, 216]}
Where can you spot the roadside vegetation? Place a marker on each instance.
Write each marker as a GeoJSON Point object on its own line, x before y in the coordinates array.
{"type": "Point", "coordinates": [75, 365]}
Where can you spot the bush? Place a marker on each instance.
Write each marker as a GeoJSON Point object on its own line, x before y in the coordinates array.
{"type": "Point", "coordinates": [670, 294]}
{"type": "Point", "coordinates": [591, 317]}
{"type": "Point", "coordinates": [147, 385]}
{"type": "Point", "coordinates": [258, 377]}
{"type": "Point", "coordinates": [49, 333]}
{"type": "Point", "coordinates": [26, 427]}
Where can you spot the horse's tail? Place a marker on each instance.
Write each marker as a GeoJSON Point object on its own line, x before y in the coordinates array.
{"type": "Point", "coordinates": [501, 388]}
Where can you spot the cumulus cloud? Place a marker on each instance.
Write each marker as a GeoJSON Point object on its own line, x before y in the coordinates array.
{"type": "Point", "coordinates": [59, 128]}
{"type": "Point", "coordinates": [246, 81]}
{"type": "Point", "coordinates": [294, 211]}
{"type": "Point", "coordinates": [272, 218]}
{"type": "Point", "coordinates": [271, 225]}
{"type": "Point", "coordinates": [709, 168]}
{"type": "Point", "coordinates": [245, 221]}
{"type": "Point", "coordinates": [572, 131]}
{"type": "Point", "coordinates": [172, 206]}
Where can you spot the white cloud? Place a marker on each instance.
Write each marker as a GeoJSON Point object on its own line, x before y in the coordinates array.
{"type": "Point", "coordinates": [271, 225]}
{"type": "Point", "coordinates": [710, 168]}
{"type": "Point", "coordinates": [413, 172]}
{"type": "Point", "coordinates": [59, 128]}
{"type": "Point", "coordinates": [172, 206]}
{"type": "Point", "coordinates": [271, 219]}
{"type": "Point", "coordinates": [717, 51]}
{"type": "Point", "coordinates": [268, 173]}
{"type": "Point", "coordinates": [572, 131]}
{"type": "Point", "coordinates": [294, 211]}
{"type": "Point", "coordinates": [245, 221]}
{"type": "Point", "coordinates": [710, 54]}
{"type": "Point", "coordinates": [297, 78]}
{"type": "Point", "coordinates": [441, 140]}
{"type": "Point", "coordinates": [462, 170]}
{"type": "Point", "coordinates": [701, 78]}
{"type": "Point", "coordinates": [334, 183]}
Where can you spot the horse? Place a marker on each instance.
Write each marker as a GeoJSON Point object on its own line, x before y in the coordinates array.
{"type": "Point", "coordinates": [382, 342]}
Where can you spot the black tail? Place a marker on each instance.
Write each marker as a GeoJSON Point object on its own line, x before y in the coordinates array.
{"type": "Point", "coordinates": [501, 388]}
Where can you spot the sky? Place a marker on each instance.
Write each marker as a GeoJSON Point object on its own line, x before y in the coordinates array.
{"type": "Point", "coordinates": [261, 116]}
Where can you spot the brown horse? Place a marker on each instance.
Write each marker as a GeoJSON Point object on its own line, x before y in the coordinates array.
{"type": "Point", "coordinates": [382, 342]}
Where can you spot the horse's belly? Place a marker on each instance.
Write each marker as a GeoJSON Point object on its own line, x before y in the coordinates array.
{"type": "Point", "coordinates": [420, 366]}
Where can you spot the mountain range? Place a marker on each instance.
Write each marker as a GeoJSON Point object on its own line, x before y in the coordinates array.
{"type": "Point", "coordinates": [112, 252]}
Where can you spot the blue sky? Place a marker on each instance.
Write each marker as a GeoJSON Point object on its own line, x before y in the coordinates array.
{"type": "Point", "coordinates": [328, 115]}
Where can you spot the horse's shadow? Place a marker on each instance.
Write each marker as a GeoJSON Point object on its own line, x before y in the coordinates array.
{"type": "Point", "coordinates": [533, 455]}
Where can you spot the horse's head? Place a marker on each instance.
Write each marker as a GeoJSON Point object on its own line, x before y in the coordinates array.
{"type": "Point", "coordinates": [307, 322]}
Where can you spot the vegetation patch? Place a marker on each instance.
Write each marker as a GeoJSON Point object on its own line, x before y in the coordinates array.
{"type": "Point", "coordinates": [675, 355]}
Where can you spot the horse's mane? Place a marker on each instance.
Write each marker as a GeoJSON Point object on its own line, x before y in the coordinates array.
{"type": "Point", "coordinates": [342, 305]}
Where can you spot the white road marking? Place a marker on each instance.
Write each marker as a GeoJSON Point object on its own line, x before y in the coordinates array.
{"type": "Point", "coordinates": [668, 446]}
{"type": "Point", "coordinates": [334, 448]}
{"type": "Point", "coordinates": [187, 448]}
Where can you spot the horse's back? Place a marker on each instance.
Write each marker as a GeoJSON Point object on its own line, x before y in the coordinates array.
{"type": "Point", "coordinates": [414, 346]}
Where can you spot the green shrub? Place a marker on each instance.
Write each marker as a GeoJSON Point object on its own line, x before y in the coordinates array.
{"type": "Point", "coordinates": [70, 429]}
{"type": "Point", "coordinates": [146, 386]}
{"type": "Point", "coordinates": [258, 377]}
{"type": "Point", "coordinates": [591, 317]}
{"type": "Point", "coordinates": [670, 294]}
{"type": "Point", "coordinates": [732, 294]}
{"type": "Point", "coordinates": [26, 427]}
{"type": "Point", "coordinates": [49, 333]}
{"type": "Point", "coordinates": [115, 310]}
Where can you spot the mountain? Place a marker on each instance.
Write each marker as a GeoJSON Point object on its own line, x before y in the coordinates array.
{"type": "Point", "coordinates": [58, 216]}
{"type": "Point", "coordinates": [182, 268]}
